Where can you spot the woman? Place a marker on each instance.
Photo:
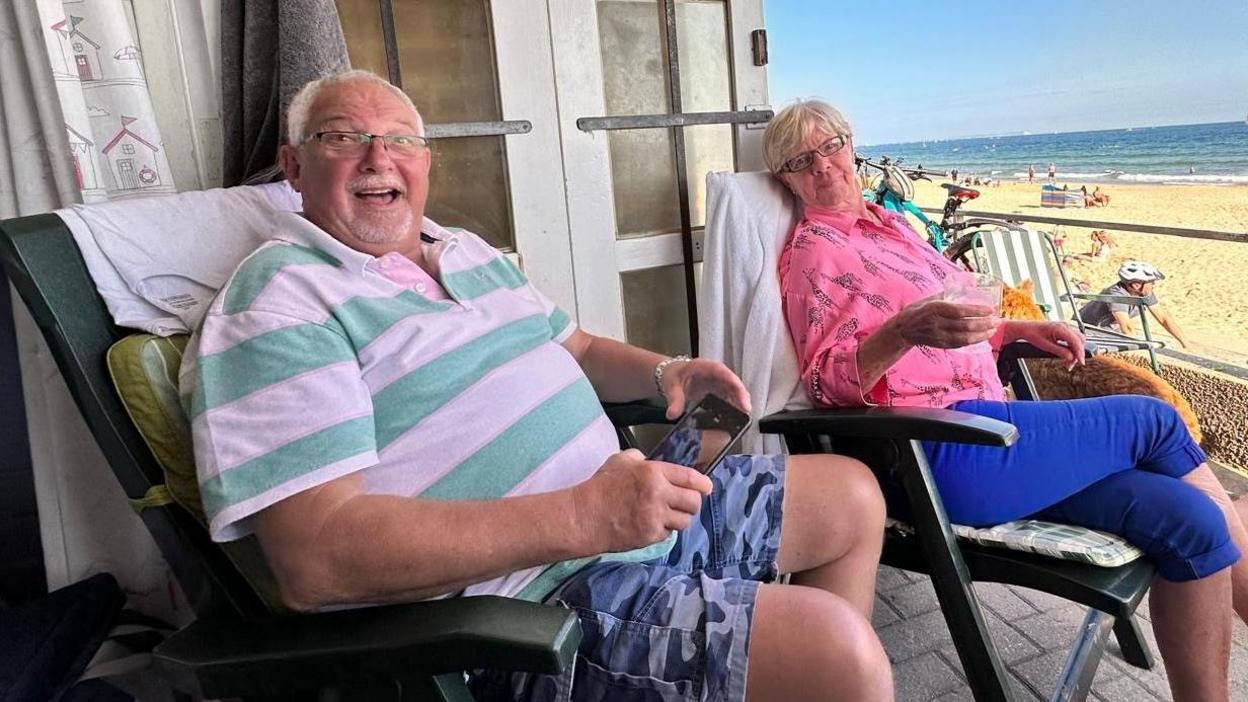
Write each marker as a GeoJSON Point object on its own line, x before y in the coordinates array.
{"type": "Point", "coordinates": [863, 300]}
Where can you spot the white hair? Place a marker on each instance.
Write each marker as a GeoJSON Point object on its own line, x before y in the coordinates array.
{"type": "Point", "coordinates": [793, 125]}
{"type": "Point", "coordinates": [298, 113]}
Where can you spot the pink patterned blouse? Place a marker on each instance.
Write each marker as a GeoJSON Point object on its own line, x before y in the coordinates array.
{"type": "Point", "coordinates": [840, 278]}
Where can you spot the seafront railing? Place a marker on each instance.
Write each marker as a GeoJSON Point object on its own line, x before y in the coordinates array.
{"type": "Point", "coordinates": [1213, 234]}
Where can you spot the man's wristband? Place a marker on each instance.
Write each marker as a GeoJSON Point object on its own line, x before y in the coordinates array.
{"type": "Point", "coordinates": [659, 369]}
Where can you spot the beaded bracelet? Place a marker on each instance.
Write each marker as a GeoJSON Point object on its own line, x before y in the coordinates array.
{"type": "Point", "coordinates": [658, 370]}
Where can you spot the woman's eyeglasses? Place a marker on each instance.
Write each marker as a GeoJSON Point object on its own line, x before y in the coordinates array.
{"type": "Point", "coordinates": [358, 143]}
{"type": "Point", "coordinates": [803, 160]}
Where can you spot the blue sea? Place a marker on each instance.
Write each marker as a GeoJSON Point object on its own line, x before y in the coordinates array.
{"type": "Point", "coordinates": [1191, 153]}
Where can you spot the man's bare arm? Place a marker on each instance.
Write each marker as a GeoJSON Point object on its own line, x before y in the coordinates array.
{"type": "Point", "coordinates": [619, 372]}
{"type": "Point", "coordinates": [1124, 322]}
{"type": "Point", "coordinates": [1169, 322]}
{"type": "Point", "coordinates": [336, 544]}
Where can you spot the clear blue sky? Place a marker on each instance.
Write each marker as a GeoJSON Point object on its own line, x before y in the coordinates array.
{"type": "Point", "coordinates": [927, 70]}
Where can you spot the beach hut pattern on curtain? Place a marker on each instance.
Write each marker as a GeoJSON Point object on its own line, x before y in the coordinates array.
{"type": "Point", "coordinates": [116, 151]}
{"type": "Point", "coordinates": [114, 139]}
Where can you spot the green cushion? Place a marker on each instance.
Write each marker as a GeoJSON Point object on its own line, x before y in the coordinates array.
{"type": "Point", "coordinates": [1065, 541]}
{"type": "Point", "coordinates": [144, 369]}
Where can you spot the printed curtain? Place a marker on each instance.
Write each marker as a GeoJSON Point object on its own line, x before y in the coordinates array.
{"type": "Point", "coordinates": [113, 141]}
{"type": "Point", "coordinates": [77, 125]}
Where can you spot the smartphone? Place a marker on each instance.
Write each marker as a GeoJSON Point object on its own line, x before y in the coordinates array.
{"type": "Point", "coordinates": [703, 436]}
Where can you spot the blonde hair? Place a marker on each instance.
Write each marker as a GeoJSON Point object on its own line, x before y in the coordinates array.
{"type": "Point", "coordinates": [794, 124]}
{"type": "Point", "coordinates": [301, 104]}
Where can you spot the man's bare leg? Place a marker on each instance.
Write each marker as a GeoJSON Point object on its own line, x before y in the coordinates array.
{"type": "Point", "coordinates": [1204, 479]}
{"type": "Point", "coordinates": [1192, 621]}
{"type": "Point", "coordinates": [807, 644]}
{"type": "Point", "coordinates": [812, 639]}
{"type": "Point", "coordinates": [833, 527]}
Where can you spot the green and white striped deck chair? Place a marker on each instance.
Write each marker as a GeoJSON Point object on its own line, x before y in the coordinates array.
{"type": "Point", "coordinates": [1015, 254]}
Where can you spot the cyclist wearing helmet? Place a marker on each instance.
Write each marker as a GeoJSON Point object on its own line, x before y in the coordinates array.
{"type": "Point", "coordinates": [1135, 279]}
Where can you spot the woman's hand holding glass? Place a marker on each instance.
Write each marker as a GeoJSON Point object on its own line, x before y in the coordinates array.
{"type": "Point", "coordinates": [975, 289]}
{"type": "Point", "coordinates": [945, 325]}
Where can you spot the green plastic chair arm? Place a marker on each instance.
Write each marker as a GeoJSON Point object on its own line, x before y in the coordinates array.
{"type": "Point", "coordinates": [220, 658]}
{"type": "Point", "coordinates": [1115, 299]}
{"type": "Point", "coordinates": [652, 410]}
{"type": "Point", "coordinates": [1113, 340]}
{"type": "Point", "coordinates": [909, 423]}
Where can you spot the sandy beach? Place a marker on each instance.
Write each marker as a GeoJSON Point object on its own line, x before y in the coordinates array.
{"type": "Point", "coordinates": [1204, 284]}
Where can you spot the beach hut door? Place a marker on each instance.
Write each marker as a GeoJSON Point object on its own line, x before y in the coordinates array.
{"type": "Point", "coordinates": [526, 101]}
{"type": "Point", "coordinates": [628, 72]}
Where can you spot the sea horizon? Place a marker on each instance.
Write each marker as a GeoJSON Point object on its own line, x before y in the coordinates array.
{"type": "Point", "coordinates": [1025, 132]}
{"type": "Point", "coordinates": [1205, 153]}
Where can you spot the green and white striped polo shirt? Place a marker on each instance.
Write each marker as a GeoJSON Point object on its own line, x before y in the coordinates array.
{"type": "Point", "coordinates": [312, 364]}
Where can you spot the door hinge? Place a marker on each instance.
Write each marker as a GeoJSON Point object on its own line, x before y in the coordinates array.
{"type": "Point", "coordinates": [758, 43]}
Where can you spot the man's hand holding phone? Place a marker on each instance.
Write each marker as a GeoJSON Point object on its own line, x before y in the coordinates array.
{"type": "Point", "coordinates": [687, 383]}
{"type": "Point", "coordinates": [633, 502]}
{"type": "Point", "coordinates": [703, 436]}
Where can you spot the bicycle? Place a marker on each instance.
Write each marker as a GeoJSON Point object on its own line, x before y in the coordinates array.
{"type": "Point", "coordinates": [894, 190]}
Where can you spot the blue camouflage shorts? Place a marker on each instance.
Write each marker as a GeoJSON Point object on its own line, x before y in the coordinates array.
{"type": "Point", "coordinates": [678, 627]}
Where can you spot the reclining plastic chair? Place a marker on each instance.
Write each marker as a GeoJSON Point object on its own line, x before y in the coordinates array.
{"type": "Point", "coordinates": [241, 646]}
{"type": "Point", "coordinates": [1015, 254]}
{"type": "Point", "coordinates": [749, 215]}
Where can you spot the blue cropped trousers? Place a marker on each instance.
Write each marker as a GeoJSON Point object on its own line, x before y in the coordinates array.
{"type": "Point", "coordinates": [1109, 463]}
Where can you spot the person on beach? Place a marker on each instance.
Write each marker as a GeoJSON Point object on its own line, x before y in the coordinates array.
{"type": "Point", "coordinates": [1031, 173]}
{"type": "Point", "coordinates": [1059, 239]}
{"type": "Point", "coordinates": [863, 298]}
{"type": "Point", "coordinates": [1102, 244]}
{"type": "Point", "coordinates": [1135, 279]}
{"type": "Point", "coordinates": [1052, 172]}
{"type": "Point", "coordinates": [1079, 285]}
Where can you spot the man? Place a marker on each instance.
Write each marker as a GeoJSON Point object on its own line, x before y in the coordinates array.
{"type": "Point", "coordinates": [398, 414]}
{"type": "Point", "coordinates": [1135, 279]}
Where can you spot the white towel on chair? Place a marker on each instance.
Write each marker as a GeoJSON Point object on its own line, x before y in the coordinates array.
{"type": "Point", "coordinates": [158, 261]}
{"type": "Point", "coordinates": [748, 218]}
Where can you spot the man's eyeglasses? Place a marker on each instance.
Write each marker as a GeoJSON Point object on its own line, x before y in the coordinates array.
{"type": "Point", "coordinates": [803, 160]}
{"type": "Point", "coordinates": [358, 143]}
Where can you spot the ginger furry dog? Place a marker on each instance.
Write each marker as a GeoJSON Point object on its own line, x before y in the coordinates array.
{"type": "Point", "coordinates": [1101, 376]}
